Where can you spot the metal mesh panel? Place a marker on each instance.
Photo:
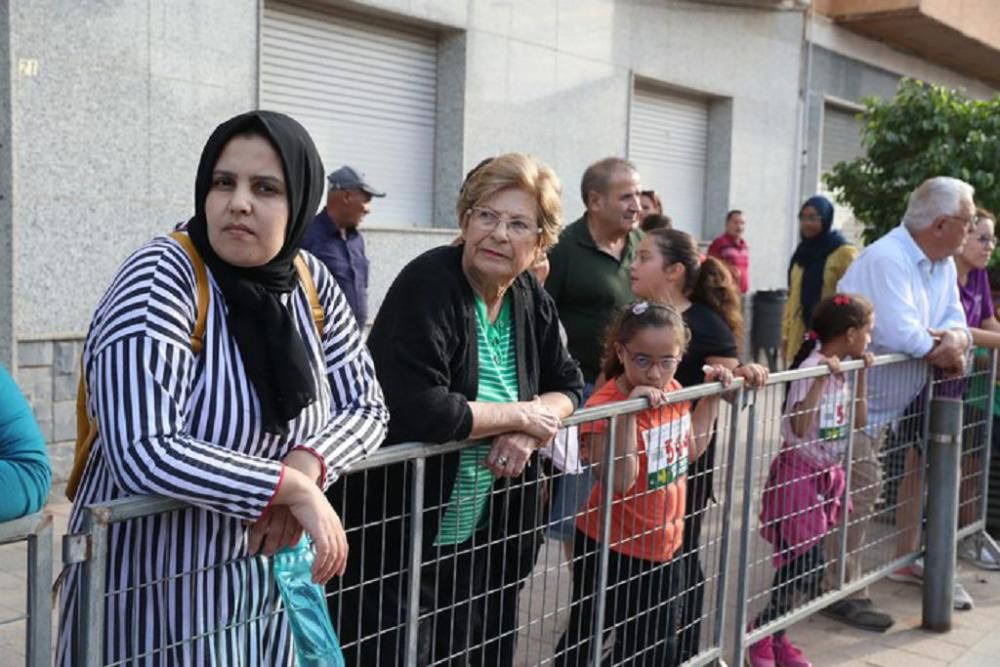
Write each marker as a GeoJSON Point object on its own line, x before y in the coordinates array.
{"type": "Point", "coordinates": [757, 511]}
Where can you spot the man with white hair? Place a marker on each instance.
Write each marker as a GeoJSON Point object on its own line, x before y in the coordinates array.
{"type": "Point", "coordinates": [910, 278]}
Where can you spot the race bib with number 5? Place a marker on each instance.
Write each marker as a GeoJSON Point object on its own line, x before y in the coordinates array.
{"type": "Point", "coordinates": [667, 451]}
{"type": "Point", "coordinates": [833, 415]}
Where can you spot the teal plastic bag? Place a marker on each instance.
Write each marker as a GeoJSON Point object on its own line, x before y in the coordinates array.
{"type": "Point", "coordinates": [316, 644]}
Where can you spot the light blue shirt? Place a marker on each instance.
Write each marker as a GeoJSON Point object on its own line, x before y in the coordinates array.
{"type": "Point", "coordinates": [910, 294]}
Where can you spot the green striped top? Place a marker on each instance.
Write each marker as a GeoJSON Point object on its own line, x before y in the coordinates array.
{"type": "Point", "coordinates": [466, 509]}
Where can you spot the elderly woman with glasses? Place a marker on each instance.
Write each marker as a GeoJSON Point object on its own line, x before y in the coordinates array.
{"type": "Point", "coordinates": [820, 260]}
{"type": "Point", "coordinates": [467, 347]}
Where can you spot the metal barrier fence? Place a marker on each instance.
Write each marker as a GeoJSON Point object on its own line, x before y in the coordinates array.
{"type": "Point", "coordinates": [442, 576]}
{"type": "Point", "coordinates": [36, 530]}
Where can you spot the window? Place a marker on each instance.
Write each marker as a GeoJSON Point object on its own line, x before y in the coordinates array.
{"type": "Point", "coordinates": [668, 142]}
{"type": "Point", "coordinates": [366, 92]}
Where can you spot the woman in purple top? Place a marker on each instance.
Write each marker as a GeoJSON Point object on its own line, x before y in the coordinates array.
{"type": "Point", "coordinates": [977, 301]}
{"type": "Point", "coordinates": [974, 284]}
{"type": "Point", "coordinates": [974, 289]}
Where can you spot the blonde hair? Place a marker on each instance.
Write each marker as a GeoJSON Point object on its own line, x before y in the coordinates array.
{"type": "Point", "coordinates": [516, 170]}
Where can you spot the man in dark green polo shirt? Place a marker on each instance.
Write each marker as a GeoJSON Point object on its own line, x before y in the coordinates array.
{"type": "Point", "coordinates": [589, 280]}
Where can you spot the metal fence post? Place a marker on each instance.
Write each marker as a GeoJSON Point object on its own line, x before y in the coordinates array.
{"type": "Point", "coordinates": [723, 583]}
{"type": "Point", "coordinates": [607, 494]}
{"type": "Point", "coordinates": [39, 630]}
{"type": "Point", "coordinates": [984, 473]}
{"type": "Point", "coordinates": [742, 581]}
{"type": "Point", "coordinates": [845, 516]}
{"type": "Point", "coordinates": [416, 559]}
{"type": "Point", "coordinates": [922, 463]}
{"type": "Point", "coordinates": [92, 599]}
{"type": "Point", "coordinates": [944, 451]}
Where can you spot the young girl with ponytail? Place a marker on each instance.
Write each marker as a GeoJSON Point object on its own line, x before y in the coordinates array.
{"type": "Point", "coordinates": [806, 482]}
{"type": "Point", "coordinates": [669, 269]}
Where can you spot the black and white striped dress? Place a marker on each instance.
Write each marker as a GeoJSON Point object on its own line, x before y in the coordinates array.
{"type": "Point", "coordinates": [181, 589]}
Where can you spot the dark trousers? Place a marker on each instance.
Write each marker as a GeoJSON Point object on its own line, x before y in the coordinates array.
{"type": "Point", "coordinates": [691, 578]}
{"type": "Point", "coordinates": [640, 606]}
{"type": "Point", "coordinates": [691, 603]}
{"type": "Point", "coordinates": [468, 600]}
{"type": "Point", "coordinates": [804, 574]}
{"type": "Point", "coordinates": [468, 593]}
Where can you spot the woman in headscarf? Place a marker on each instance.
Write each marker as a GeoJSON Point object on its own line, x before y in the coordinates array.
{"type": "Point", "coordinates": [820, 260]}
{"type": "Point", "coordinates": [467, 347]}
{"type": "Point", "coordinates": [249, 429]}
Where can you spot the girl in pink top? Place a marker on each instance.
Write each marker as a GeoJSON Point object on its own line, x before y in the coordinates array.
{"type": "Point", "coordinates": [805, 485]}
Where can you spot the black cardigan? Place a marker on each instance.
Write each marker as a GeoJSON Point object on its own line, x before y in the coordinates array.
{"type": "Point", "coordinates": [424, 345]}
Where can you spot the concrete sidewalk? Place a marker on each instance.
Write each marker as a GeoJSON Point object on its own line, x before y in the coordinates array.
{"type": "Point", "coordinates": [974, 640]}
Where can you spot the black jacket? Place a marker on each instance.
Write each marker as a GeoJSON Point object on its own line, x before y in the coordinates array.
{"type": "Point", "coordinates": [424, 346]}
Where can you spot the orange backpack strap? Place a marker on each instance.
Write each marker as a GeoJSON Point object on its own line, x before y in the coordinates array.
{"type": "Point", "coordinates": [86, 433]}
{"type": "Point", "coordinates": [201, 290]}
{"type": "Point", "coordinates": [305, 277]}
{"type": "Point", "coordinates": [86, 429]}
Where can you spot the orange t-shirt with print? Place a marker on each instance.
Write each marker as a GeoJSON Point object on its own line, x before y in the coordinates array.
{"type": "Point", "coordinates": [647, 521]}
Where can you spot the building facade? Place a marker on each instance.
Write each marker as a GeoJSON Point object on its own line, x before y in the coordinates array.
{"type": "Point", "coordinates": [107, 104]}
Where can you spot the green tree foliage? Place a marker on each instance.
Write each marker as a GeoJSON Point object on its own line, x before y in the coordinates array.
{"type": "Point", "coordinates": [923, 131]}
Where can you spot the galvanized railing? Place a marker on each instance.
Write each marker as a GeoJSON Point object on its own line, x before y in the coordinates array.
{"type": "Point", "coordinates": [36, 530]}
{"type": "Point", "coordinates": [748, 441]}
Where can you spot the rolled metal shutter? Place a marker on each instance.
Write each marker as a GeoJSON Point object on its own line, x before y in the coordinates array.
{"type": "Point", "coordinates": [841, 143]}
{"type": "Point", "coordinates": [668, 142]}
{"type": "Point", "coordinates": [366, 92]}
{"type": "Point", "coordinates": [841, 137]}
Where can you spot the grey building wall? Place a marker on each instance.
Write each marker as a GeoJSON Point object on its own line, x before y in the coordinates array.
{"type": "Point", "coordinates": [7, 347]}
{"type": "Point", "coordinates": [126, 93]}
{"type": "Point", "coordinates": [837, 76]}
{"type": "Point", "coordinates": [107, 136]}
{"type": "Point", "coordinates": [107, 131]}
{"type": "Point", "coordinates": [747, 61]}
{"type": "Point", "coordinates": [48, 372]}
{"type": "Point", "coordinates": [554, 78]}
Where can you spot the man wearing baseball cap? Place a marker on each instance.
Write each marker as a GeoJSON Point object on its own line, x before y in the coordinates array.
{"type": "Point", "coordinates": [334, 239]}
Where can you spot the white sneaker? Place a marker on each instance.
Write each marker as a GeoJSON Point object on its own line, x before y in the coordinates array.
{"type": "Point", "coordinates": [977, 553]}
{"type": "Point", "coordinates": [914, 574]}
{"type": "Point", "coordinates": [963, 601]}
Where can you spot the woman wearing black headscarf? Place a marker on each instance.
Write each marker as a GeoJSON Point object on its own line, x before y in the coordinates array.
{"type": "Point", "coordinates": [249, 429]}
{"type": "Point", "coordinates": [820, 260]}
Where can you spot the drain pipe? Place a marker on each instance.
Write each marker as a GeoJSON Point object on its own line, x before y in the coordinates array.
{"type": "Point", "coordinates": [802, 130]}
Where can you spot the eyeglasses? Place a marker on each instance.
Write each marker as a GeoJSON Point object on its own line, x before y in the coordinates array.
{"type": "Point", "coordinates": [811, 217]}
{"type": "Point", "coordinates": [487, 219]}
{"type": "Point", "coordinates": [644, 362]}
{"type": "Point", "coordinates": [986, 239]}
